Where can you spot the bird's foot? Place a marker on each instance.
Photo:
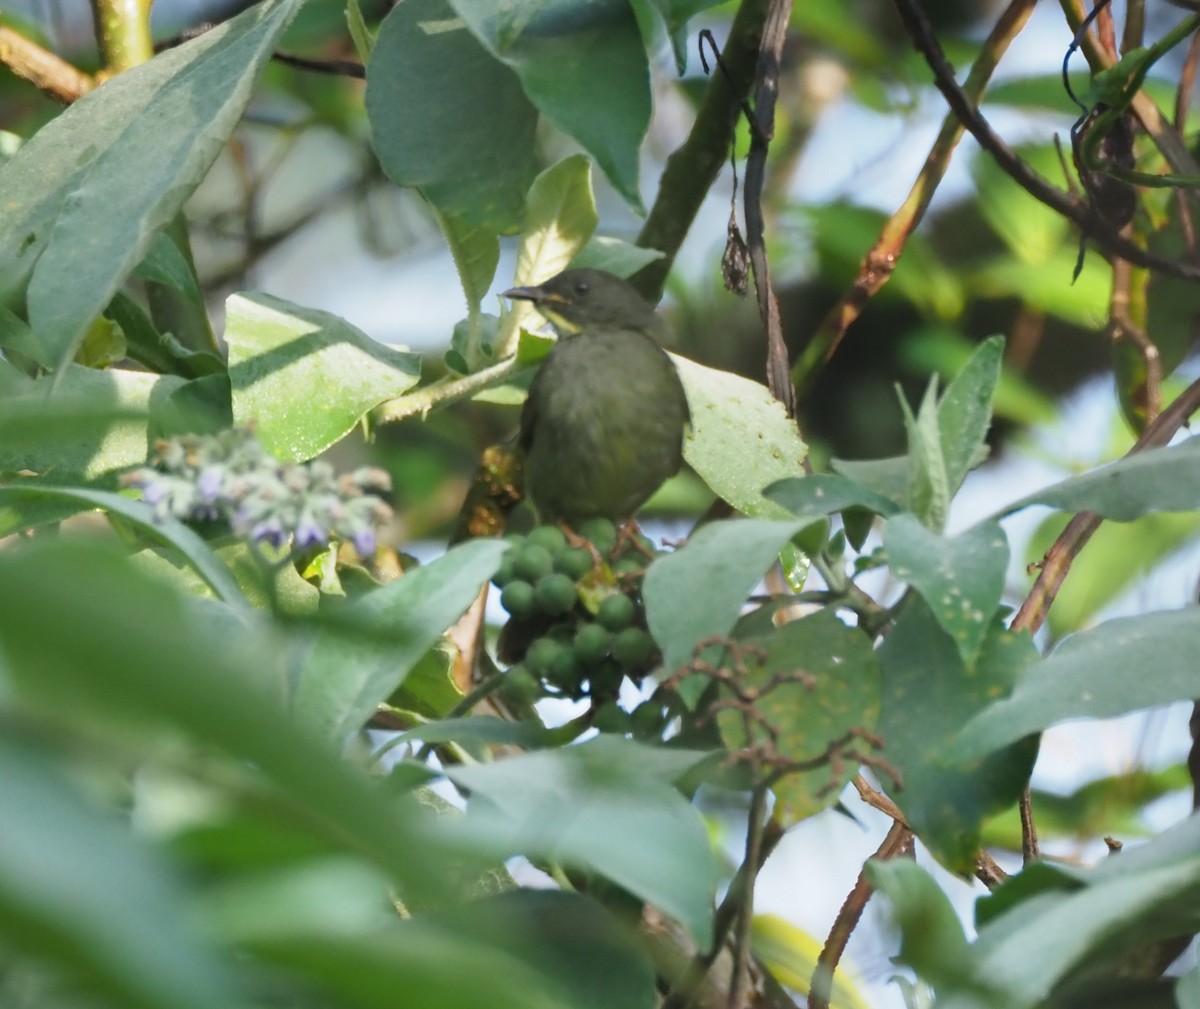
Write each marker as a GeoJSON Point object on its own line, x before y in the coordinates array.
{"type": "Point", "coordinates": [575, 540]}
{"type": "Point", "coordinates": [630, 536]}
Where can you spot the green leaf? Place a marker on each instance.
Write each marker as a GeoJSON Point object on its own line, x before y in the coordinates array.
{"type": "Point", "coordinates": [1157, 480]}
{"type": "Point", "coordinates": [961, 578]}
{"type": "Point", "coordinates": [931, 937]}
{"type": "Point", "coordinates": [84, 426]}
{"type": "Point", "coordinates": [1123, 665]}
{"type": "Point", "coordinates": [605, 805]}
{"type": "Point", "coordinates": [1032, 231]}
{"type": "Point", "coordinates": [171, 534]}
{"type": "Point", "coordinates": [560, 216]}
{"type": "Point", "coordinates": [569, 939]}
{"type": "Point", "coordinates": [360, 34]}
{"type": "Point", "coordinates": [887, 477]}
{"type": "Point", "coordinates": [615, 256]}
{"type": "Point", "coordinates": [1041, 946]}
{"type": "Point", "coordinates": [830, 692]}
{"type": "Point", "coordinates": [88, 194]}
{"type": "Point", "coordinates": [345, 679]}
{"type": "Point", "coordinates": [280, 353]}
{"type": "Point", "coordinates": [429, 965]}
{"type": "Point", "coordinates": [427, 76]}
{"type": "Point", "coordinates": [965, 410]}
{"type": "Point", "coordinates": [741, 439]}
{"type": "Point", "coordinates": [165, 264]}
{"type": "Point", "coordinates": [928, 695]}
{"type": "Point", "coordinates": [476, 252]}
{"type": "Point", "coordinates": [699, 591]}
{"type": "Point", "coordinates": [1042, 286]}
{"type": "Point", "coordinates": [78, 892]}
{"type": "Point", "coordinates": [134, 655]}
{"type": "Point", "coordinates": [583, 66]}
{"type": "Point", "coordinates": [1187, 989]}
{"type": "Point", "coordinates": [928, 482]}
{"type": "Point", "coordinates": [826, 493]}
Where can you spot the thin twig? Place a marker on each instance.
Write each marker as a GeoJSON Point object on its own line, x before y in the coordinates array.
{"type": "Point", "coordinates": [1057, 561]}
{"type": "Point", "coordinates": [691, 169]}
{"type": "Point", "coordinates": [1030, 849]}
{"type": "Point", "coordinates": [821, 987]}
{"type": "Point", "coordinates": [878, 265]}
{"type": "Point", "coordinates": [922, 36]}
{"type": "Point", "coordinates": [779, 378]}
{"type": "Point", "coordinates": [50, 74]}
{"type": "Point", "coordinates": [741, 936]}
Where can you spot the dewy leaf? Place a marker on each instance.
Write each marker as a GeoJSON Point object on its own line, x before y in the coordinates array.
{"type": "Point", "coordinates": [344, 679]}
{"type": "Point", "coordinates": [88, 194]}
{"type": "Point", "coordinates": [83, 427]}
{"type": "Point", "coordinates": [281, 355]}
{"type": "Point", "coordinates": [1123, 665]}
{"type": "Point", "coordinates": [1157, 480]}
{"type": "Point", "coordinates": [79, 893]}
{"type": "Point", "coordinates": [929, 693]}
{"type": "Point", "coordinates": [965, 410]}
{"type": "Point", "coordinates": [961, 578]}
{"type": "Point", "coordinates": [818, 685]}
{"type": "Point", "coordinates": [741, 439]}
{"type": "Point", "coordinates": [583, 65]}
{"type": "Point", "coordinates": [826, 493]}
{"type": "Point", "coordinates": [698, 591]}
{"type": "Point", "coordinates": [602, 805]}
{"type": "Point", "coordinates": [428, 77]}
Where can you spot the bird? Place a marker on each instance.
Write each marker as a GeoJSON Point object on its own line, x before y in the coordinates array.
{"type": "Point", "coordinates": [603, 426]}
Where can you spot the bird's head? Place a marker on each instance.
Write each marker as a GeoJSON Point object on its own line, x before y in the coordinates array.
{"type": "Point", "coordinates": [575, 300]}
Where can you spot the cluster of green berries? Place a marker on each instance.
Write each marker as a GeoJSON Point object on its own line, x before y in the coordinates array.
{"type": "Point", "coordinates": [575, 610]}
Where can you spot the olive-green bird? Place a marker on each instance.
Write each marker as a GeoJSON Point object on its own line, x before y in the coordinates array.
{"type": "Point", "coordinates": [603, 426]}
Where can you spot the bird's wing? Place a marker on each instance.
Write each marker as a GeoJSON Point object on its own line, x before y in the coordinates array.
{"type": "Point", "coordinates": [529, 413]}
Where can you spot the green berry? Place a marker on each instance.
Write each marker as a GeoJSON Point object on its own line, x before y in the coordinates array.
{"type": "Point", "coordinates": [541, 655]}
{"type": "Point", "coordinates": [564, 671]}
{"type": "Point", "coordinates": [550, 537]}
{"type": "Point", "coordinates": [600, 532]}
{"type": "Point", "coordinates": [575, 562]}
{"type": "Point", "coordinates": [505, 573]}
{"type": "Point", "coordinates": [610, 717]}
{"type": "Point", "coordinates": [648, 719]}
{"type": "Point", "coordinates": [520, 685]}
{"type": "Point", "coordinates": [517, 598]}
{"type": "Point", "coordinates": [591, 644]}
{"type": "Point", "coordinates": [616, 612]}
{"type": "Point", "coordinates": [606, 678]}
{"type": "Point", "coordinates": [633, 648]}
{"type": "Point", "coordinates": [532, 561]}
{"type": "Point", "coordinates": [630, 564]}
{"type": "Point", "coordinates": [554, 594]}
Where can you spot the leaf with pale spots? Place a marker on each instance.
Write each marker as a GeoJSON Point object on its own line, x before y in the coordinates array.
{"type": "Point", "coordinates": [819, 686]}
{"type": "Point", "coordinates": [1123, 665]}
{"type": "Point", "coordinates": [929, 693]}
{"type": "Point", "coordinates": [961, 578]}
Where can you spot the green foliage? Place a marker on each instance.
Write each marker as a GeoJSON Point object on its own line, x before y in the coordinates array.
{"type": "Point", "coordinates": [232, 710]}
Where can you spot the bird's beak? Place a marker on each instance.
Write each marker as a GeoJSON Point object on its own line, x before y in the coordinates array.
{"type": "Point", "coordinates": [534, 294]}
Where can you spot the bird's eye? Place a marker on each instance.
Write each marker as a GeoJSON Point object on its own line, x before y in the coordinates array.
{"type": "Point", "coordinates": [581, 287]}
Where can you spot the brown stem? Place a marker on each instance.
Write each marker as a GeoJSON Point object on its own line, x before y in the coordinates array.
{"type": "Point", "coordinates": [779, 378]}
{"type": "Point", "coordinates": [877, 266]}
{"type": "Point", "coordinates": [692, 169]}
{"type": "Point", "coordinates": [50, 74]}
{"type": "Point", "coordinates": [821, 987]}
{"type": "Point", "coordinates": [922, 36]}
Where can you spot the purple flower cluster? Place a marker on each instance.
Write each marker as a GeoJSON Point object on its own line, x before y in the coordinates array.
{"type": "Point", "coordinates": [230, 476]}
